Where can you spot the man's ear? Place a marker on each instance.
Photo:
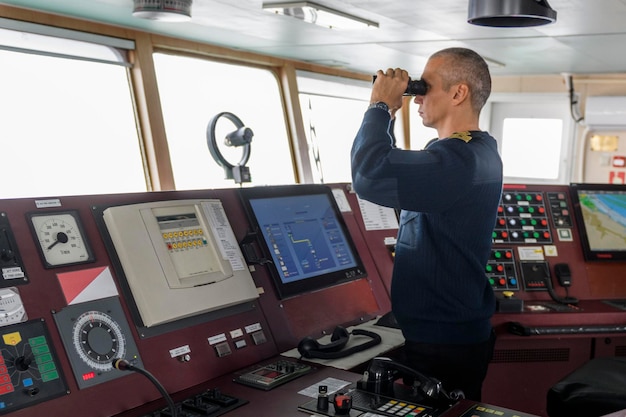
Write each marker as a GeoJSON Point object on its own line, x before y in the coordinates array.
{"type": "Point", "coordinates": [461, 93]}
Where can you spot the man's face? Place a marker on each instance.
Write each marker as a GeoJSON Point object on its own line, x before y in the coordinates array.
{"type": "Point", "coordinates": [433, 107]}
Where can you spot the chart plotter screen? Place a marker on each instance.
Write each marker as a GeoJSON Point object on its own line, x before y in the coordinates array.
{"type": "Point", "coordinates": [601, 213]}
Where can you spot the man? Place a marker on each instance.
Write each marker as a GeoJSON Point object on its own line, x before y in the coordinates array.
{"type": "Point", "coordinates": [449, 195]}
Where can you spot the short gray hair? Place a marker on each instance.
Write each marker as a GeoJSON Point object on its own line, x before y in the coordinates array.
{"type": "Point", "coordinates": [467, 67]}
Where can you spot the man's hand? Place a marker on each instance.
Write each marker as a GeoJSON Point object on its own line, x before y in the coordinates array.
{"type": "Point", "coordinates": [389, 87]}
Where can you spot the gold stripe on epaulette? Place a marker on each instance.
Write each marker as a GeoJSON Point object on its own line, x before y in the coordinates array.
{"type": "Point", "coordinates": [464, 136]}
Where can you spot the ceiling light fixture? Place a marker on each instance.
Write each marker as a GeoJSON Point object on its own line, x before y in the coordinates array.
{"type": "Point", "coordinates": [320, 15]}
{"type": "Point", "coordinates": [510, 13]}
{"type": "Point", "coordinates": [163, 10]}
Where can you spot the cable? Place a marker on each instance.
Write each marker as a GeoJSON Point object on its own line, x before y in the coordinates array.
{"type": "Point", "coordinates": [124, 365]}
{"type": "Point", "coordinates": [553, 295]}
{"type": "Point", "coordinates": [573, 101]}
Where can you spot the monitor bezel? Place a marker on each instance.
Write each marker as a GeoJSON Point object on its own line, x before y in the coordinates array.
{"type": "Point", "coordinates": [303, 286]}
{"type": "Point", "coordinates": [589, 253]}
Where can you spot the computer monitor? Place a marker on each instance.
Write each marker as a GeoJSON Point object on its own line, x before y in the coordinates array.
{"type": "Point", "coordinates": [600, 211]}
{"type": "Point", "coordinates": [303, 234]}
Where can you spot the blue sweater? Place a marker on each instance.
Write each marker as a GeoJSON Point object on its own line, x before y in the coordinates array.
{"type": "Point", "coordinates": [449, 196]}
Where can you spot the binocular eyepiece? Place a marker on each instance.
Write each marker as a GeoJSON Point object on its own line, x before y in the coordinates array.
{"type": "Point", "coordinates": [415, 87]}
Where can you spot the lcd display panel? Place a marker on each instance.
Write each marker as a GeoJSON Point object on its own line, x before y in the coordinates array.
{"type": "Point", "coordinates": [303, 235]}
{"type": "Point", "coordinates": [600, 211]}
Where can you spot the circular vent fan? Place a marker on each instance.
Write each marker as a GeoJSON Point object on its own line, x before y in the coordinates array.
{"type": "Point", "coordinates": [163, 10]}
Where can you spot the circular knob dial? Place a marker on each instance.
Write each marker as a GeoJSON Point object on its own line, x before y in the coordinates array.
{"type": "Point", "coordinates": [98, 339]}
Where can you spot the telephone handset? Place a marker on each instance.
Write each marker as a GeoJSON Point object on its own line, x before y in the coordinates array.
{"type": "Point", "coordinates": [382, 372]}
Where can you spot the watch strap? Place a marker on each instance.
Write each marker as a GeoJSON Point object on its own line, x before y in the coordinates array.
{"type": "Point", "coordinates": [379, 105]}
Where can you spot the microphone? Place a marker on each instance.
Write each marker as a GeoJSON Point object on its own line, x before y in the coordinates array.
{"type": "Point", "coordinates": [548, 284]}
{"type": "Point", "coordinates": [123, 365]}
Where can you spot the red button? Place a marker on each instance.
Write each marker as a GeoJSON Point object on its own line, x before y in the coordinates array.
{"type": "Point", "coordinates": [6, 388]}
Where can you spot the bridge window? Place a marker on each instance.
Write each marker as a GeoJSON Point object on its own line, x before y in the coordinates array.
{"type": "Point", "coordinates": [67, 123]}
{"type": "Point", "coordinates": [534, 133]}
{"type": "Point", "coordinates": [332, 111]}
{"type": "Point", "coordinates": [519, 135]}
{"type": "Point", "coordinates": [192, 92]}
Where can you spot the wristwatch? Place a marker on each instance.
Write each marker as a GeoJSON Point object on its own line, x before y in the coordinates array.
{"type": "Point", "coordinates": [379, 105]}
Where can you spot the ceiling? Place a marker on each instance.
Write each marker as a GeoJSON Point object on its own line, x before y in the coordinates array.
{"type": "Point", "coordinates": [589, 36]}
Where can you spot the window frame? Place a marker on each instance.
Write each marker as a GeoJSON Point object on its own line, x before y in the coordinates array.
{"type": "Point", "coordinates": [353, 90]}
{"type": "Point", "coordinates": [211, 57]}
{"type": "Point", "coordinates": [60, 48]}
{"type": "Point", "coordinates": [541, 102]}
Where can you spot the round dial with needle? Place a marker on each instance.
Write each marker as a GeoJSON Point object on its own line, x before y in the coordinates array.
{"type": "Point", "coordinates": [61, 238]}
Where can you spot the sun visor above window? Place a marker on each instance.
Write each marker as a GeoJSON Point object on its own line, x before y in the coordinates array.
{"type": "Point", "coordinates": [52, 41]}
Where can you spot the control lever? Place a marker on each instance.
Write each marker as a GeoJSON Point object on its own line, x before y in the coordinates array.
{"type": "Point", "coordinates": [342, 403]}
{"type": "Point", "coordinates": [322, 398]}
{"type": "Point", "coordinates": [215, 396]}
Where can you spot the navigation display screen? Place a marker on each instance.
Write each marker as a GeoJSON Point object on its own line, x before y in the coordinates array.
{"type": "Point", "coordinates": [304, 235]}
{"type": "Point", "coordinates": [600, 210]}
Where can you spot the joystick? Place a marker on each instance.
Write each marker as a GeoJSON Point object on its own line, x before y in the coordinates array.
{"type": "Point", "coordinates": [342, 403]}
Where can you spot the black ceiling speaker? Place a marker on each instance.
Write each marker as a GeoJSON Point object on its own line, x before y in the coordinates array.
{"type": "Point", "coordinates": [510, 13]}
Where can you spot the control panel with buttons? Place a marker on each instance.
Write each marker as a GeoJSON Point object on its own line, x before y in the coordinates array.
{"type": "Point", "coordinates": [522, 218]}
{"type": "Point", "coordinates": [501, 270]}
{"type": "Point", "coordinates": [273, 374]}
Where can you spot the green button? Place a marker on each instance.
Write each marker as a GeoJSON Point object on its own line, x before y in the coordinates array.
{"type": "Point", "coordinates": [40, 350]}
{"type": "Point", "coordinates": [47, 367]}
{"type": "Point", "coordinates": [37, 341]}
{"type": "Point", "coordinates": [50, 376]}
{"type": "Point", "coordinates": [43, 358]}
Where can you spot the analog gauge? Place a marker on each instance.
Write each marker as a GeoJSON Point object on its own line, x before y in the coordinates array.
{"type": "Point", "coordinates": [98, 339]}
{"type": "Point", "coordinates": [11, 307]}
{"type": "Point", "coordinates": [61, 238]}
